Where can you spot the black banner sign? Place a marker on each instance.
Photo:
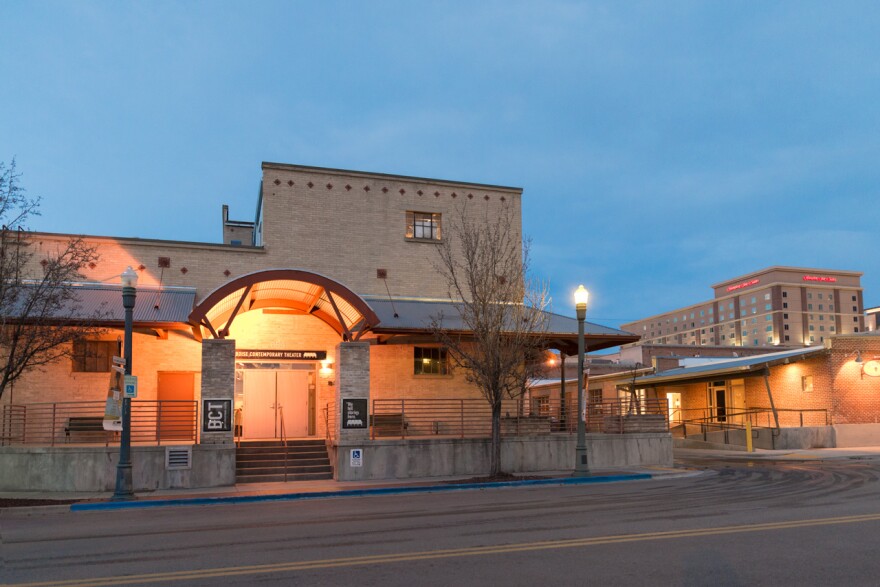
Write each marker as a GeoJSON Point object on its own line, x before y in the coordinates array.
{"type": "Point", "coordinates": [354, 413]}
{"type": "Point", "coordinates": [280, 355]}
{"type": "Point", "coordinates": [216, 415]}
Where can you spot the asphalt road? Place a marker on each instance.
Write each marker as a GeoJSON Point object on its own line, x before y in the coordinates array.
{"type": "Point", "coordinates": [733, 523]}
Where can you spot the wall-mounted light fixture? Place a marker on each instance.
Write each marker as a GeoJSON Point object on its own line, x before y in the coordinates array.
{"type": "Point", "coordinates": [326, 370]}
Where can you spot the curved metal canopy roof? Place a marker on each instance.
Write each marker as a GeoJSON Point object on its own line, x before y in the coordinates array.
{"type": "Point", "coordinates": [301, 292]}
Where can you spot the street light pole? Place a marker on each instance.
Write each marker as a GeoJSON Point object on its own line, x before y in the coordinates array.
{"type": "Point", "coordinates": [581, 466]}
{"type": "Point", "coordinates": [123, 468]}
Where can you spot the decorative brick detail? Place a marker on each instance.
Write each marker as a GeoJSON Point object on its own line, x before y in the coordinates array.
{"type": "Point", "coordinates": [227, 273]}
{"type": "Point", "coordinates": [419, 192]}
{"type": "Point", "coordinates": [347, 188]}
{"type": "Point", "coordinates": [329, 186]}
{"type": "Point", "coordinates": [384, 190]}
{"type": "Point", "coordinates": [290, 182]}
{"type": "Point", "coordinates": [402, 191]}
{"type": "Point", "coordinates": [310, 184]}
{"type": "Point", "coordinates": [277, 182]}
{"type": "Point", "coordinates": [366, 188]}
{"type": "Point", "coordinates": [486, 197]}
{"type": "Point", "coordinates": [184, 270]}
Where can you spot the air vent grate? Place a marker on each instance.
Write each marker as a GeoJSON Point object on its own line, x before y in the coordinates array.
{"type": "Point", "coordinates": [178, 457]}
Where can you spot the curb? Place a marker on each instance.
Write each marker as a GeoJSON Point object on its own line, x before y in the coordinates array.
{"type": "Point", "coordinates": [121, 505]}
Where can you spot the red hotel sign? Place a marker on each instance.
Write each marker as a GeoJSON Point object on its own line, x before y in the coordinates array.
{"type": "Point", "coordinates": [821, 278]}
{"type": "Point", "coordinates": [744, 284]}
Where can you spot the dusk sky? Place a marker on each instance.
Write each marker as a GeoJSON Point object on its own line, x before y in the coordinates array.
{"type": "Point", "coordinates": [662, 146]}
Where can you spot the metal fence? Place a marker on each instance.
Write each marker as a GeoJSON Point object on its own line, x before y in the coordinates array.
{"type": "Point", "coordinates": [74, 423]}
{"type": "Point", "coordinates": [461, 418]}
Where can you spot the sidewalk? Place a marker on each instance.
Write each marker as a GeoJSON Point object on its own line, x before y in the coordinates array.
{"type": "Point", "coordinates": [298, 490]}
{"type": "Point", "coordinates": [801, 454]}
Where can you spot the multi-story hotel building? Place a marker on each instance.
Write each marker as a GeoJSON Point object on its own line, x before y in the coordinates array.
{"type": "Point", "coordinates": [777, 306]}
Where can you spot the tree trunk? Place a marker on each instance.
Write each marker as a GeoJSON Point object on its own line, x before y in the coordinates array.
{"type": "Point", "coordinates": [495, 457]}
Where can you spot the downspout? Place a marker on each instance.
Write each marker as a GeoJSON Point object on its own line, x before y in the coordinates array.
{"type": "Point", "coordinates": [562, 414]}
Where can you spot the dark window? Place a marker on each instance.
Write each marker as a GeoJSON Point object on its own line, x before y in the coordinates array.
{"type": "Point", "coordinates": [784, 304]}
{"type": "Point", "coordinates": [785, 316]}
{"type": "Point", "coordinates": [787, 338]}
{"type": "Point", "coordinates": [430, 361]}
{"type": "Point", "coordinates": [785, 294]}
{"type": "Point", "coordinates": [93, 356]}
{"type": "Point", "coordinates": [423, 225]}
{"type": "Point", "coordinates": [854, 298]}
{"type": "Point", "coordinates": [855, 309]}
{"type": "Point", "coordinates": [785, 326]}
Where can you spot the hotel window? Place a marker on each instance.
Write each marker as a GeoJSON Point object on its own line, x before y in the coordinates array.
{"type": "Point", "coordinates": [830, 307]}
{"type": "Point", "coordinates": [769, 328]}
{"type": "Point", "coordinates": [730, 316]}
{"type": "Point", "coordinates": [809, 295]}
{"type": "Point", "coordinates": [785, 294]}
{"type": "Point", "coordinates": [730, 306]}
{"type": "Point", "coordinates": [785, 326]}
{"type": "Point", "coordinates": [768, 317]}
{"type": "Point", "coordinates": [787, 338]}
{"type": "Point", "coordinates": [754, 300]}
{"type": "Point", "coordinates": [831, 328]}
{"type": "Point", "coordinates": [820, 296]}
{"type": "Point", "coordinates": [821, 316]}
{"type": "Point", "coordinates": [766, 296]}
{"type": "Point", "coordinates": [812, 339]}
{"type": "Point", "coordinates": [821, 307]}
{"type": "Point", "coordinates": [854, 298]}
{"type": "Point", "coordinates": [768, 306]}
{"type": "Point", "coordinates": [785, 304]}
{"type": "Point", "coordinates": [812, 327]}
{"type": "Point", "coordinates": [855, 309]}
{"type": "Point", "coordinates": [430, 361]}
{"type": "Point", "coordinates": [93, 356]}
{"type": "Point", "coordinates": [809, 306]}
{"type": "Point", "coordinates": [769, 339]}
{"type": "Point", "coordinates": [756, 342]}
{"type": "Point", "coordinates": [423, 226]}
{"type": "Point", "coordinates": [785, 316]}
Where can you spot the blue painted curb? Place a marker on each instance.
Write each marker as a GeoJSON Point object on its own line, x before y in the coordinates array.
{"type": "Point", "coordinates": [154, 503]}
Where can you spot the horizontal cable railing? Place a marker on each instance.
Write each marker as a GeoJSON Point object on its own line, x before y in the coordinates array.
{"type": "Point", "coordinates": [404, 418]}
{"type": "Point", "coordinates": [73, 423]}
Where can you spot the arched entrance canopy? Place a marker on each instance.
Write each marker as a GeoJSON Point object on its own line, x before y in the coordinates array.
{"type": "Point", "coordinates": [293, 290]}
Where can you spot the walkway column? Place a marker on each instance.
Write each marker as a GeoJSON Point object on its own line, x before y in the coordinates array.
{"type": "Point", "coordinates": [216, 410]}
{"type": "Point", "coordinates": [353, 391]}
{"type": "Point", "coordinates": [353, 459]}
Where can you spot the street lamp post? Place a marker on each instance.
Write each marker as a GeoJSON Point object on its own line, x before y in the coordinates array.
{"type": "Point", "coordinates": [123, 468]}
{"type": "Point", "coordinates": [581, 465]}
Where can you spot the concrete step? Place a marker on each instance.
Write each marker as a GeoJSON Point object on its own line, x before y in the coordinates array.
{"type": "Point", "coordinates": [321, 461]}
{"type": "Point", "coordinates": [278, 470]}
{"type": "Point", "coordinates": [274, 478]}
{"type": "Point", "coordinates": [266, 443]}
{"type": "Point", "coordinates": [281, 451]}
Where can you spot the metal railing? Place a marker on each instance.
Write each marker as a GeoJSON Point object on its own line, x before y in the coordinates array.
{"type": "Point", "coordinates": [403, 418]}
{"type": "Point", "coordinates": [706, 420]}
{"type": "Point", "coordinates": [75, 423]}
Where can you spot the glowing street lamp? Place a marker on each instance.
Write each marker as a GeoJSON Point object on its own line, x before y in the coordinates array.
{"type": "Point", "coordinates": [123, 468]}
{"type": "Point", "coordinates": [581, 466]}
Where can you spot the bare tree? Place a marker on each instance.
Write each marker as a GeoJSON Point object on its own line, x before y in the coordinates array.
{"type": "Point", "coordinates": [40, 314]}
{"type": "Point", "coordinates": [500, 338]}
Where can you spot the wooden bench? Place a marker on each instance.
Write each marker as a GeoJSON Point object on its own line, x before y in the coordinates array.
{"type": "Point", "coordinates": [388, 424]}
{"type": "Point", "coordinates": [87, 428]}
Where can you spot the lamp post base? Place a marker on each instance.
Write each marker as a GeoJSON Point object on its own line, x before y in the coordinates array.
{"type": "Point", "coordinates": [123, 484]}
{"type": "Point", "coordinates": [581, 466]}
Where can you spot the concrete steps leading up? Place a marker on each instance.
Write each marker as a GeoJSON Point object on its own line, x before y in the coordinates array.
{"type": "Point", "coordinates": [264, 461]}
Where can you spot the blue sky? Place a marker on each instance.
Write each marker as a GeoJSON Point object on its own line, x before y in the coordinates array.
{"type": "Point", "coordinates": [662, 146]}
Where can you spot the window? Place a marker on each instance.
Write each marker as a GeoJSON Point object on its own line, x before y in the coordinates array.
{"type": "Point", "coordinates": [785, 326]}
{"type": "Point", "coordinates": [785, 294]}
{"type": "Point", "coordinates": [769, 328]}
{"type": "Point", "coordinates": [785, 316]}
{"type": "Point", "coordinates": [430, 361]}
{"type": "Point", "coordinates": [423, 225]}
{"type": "Point", "coordinates": [807, 383]}
{"type": "Point", "coordinates": [785, 304]}
{"type": "Point", "coordinates": [543, 405]}
{"type": "Point", "coordinates": [787, 338]}
{"type": "Point", "coordinates": [93, 356]}
{"type": "Point", "coordinates": [768, 306]}
{"type": "Point", "coordinates": [766, 296]}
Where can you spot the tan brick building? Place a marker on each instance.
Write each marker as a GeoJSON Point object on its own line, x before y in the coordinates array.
{"type": "Point", "coordinates": [332, 257]}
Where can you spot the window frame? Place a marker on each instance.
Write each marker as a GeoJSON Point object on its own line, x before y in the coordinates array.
{"type": "Point", "coordinates": [92, 356]}
{"type": "Point", "coordinates": [425, 355]}
{"type": "Point", "coordinates": [418, 222]}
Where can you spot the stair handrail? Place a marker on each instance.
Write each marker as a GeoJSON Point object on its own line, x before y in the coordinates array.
{"type": "Point", "coordinates": [283, 440]}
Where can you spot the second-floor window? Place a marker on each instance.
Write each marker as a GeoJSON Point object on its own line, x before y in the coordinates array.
{"type": "Point", "coordinates": [423, 225]}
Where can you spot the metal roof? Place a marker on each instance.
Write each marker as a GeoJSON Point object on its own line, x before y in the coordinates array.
{"type": "Point", "coordinates": [409, 316]}
{"type": "Point", "coordinates": [735, 366]}
{"type": "Point", "coordinates": [102, 303]}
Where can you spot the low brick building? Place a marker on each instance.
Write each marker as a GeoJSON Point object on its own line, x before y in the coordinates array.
{"type": "Point", "coordinates": [294, 325]}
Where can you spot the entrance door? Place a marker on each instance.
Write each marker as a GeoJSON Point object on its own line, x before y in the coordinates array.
{"type": "Point", "coordinates": [258, 409]}
{"type": "Point", "coordinates": [293, 399]}
{"type": "Point", "coordinates": [718, 400]}
{"type": "Point", "coordinates": [674, 402]}
{"type": "Point", "coordinates": [737, 401]}
{"type": "Point", "coordinates": [174, 415]}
